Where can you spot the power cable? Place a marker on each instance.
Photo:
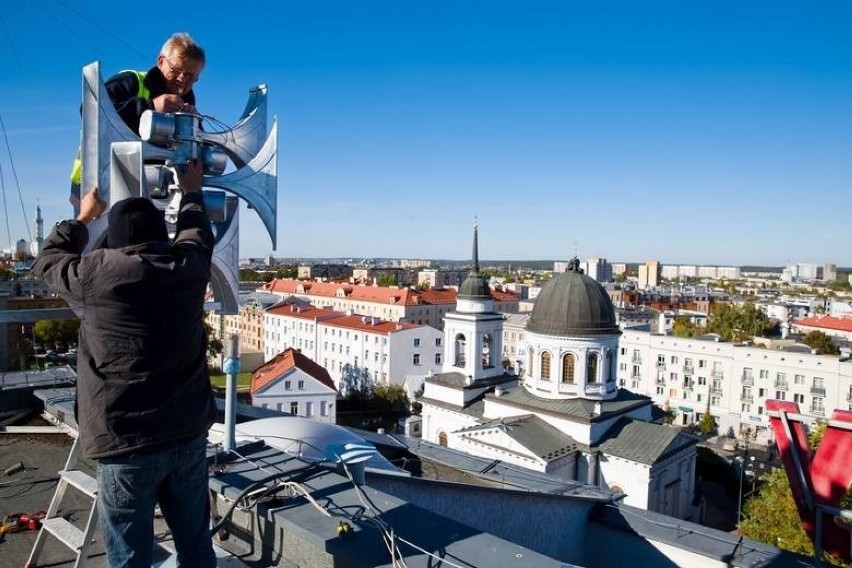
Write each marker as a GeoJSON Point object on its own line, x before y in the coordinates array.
{"type": "Point", "coordinates": [102, 28]}
{"type": "Point", "coordinates": [6, 211]}
{"type": "Point", "coordinates": [11, 43]}
{"type": "Point", "coordinates": [15, 176]}
{"type": "Point", "coordinates": [69, 29]}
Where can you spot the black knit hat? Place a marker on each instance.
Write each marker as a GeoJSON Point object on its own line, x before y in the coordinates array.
{"type": "Point", "coordinates": [134, 221]}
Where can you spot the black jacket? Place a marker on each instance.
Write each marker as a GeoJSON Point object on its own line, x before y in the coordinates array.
{"type": "Point", "coordinates": [123, 90]}
{"type": "Point", "coordinates": [142, 382]}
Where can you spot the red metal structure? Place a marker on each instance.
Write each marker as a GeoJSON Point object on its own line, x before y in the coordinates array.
{"type": "Point", "coordinates": [818, 479]}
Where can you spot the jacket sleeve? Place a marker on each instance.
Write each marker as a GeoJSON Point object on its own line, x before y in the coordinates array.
{"type": "Point", "coordinates": [193, 235]}
{"type": "Point", "coordinates": [58, 263]}
{"type": "Point", "coordinates": [123, 89]}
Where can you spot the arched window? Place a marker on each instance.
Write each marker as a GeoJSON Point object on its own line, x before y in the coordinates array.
{"type": "Point", "coordinates": [442, 438]}
{"type": "Point", "coordinates": [486, 351]}
{"type": "Point", "coordinates": [460, 345]}
{"type": "Point", "coordinates": [530, 359]}
{"type": "Point", "coordinates": [610, 368]}
{"type": "Point", "coordinates": [545, 366]}
{"type": "Point", "coordinates": [568, 369]}
{"type": "Point", "coordinates": [592, 368]}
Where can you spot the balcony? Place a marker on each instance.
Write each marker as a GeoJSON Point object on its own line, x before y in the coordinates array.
{"type": "Point", "coordinates": [819, 411]}
{"type": "Point", "coordinates": [747, 398]}
{"type": "Point", "coordinates": [716, 391]}
{"type": "Point", "coordinates": [717, 374]}
{"type": "Point", "coordinates": [661, 365]}
{"type": "Point", "coordinates": [688, 385]}
{"type": "Point", "coordinates": [636, 359]}
{"type": "Point", "coordinates": [660, 381]}
{"type": "Point", "coordinates": [688, 369]}
{"type": "Point", "coordinates": [818, 391]}
{"type": "Point", "coordinates": [596, 389]}
{"type": "Point", "coordinates": [849, 396]}
{"type": "Point", "coordinates": [748, 380]}
{"type": "Point", "coordinates": [781, 385]}
{"type": "Point", "coordinates": [634, 375]}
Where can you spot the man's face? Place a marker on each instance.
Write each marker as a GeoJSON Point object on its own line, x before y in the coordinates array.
{"type": "Point", "coordinates": [180, 73]}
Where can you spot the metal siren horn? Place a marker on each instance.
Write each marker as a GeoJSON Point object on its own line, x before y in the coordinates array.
{"type": "Point", "coordinates": [257, 182]}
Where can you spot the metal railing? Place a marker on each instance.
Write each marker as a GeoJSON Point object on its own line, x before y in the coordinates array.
{"type": "Point", "coordinates": [748, 381]}
{"type": "Point", "coordinates": [820, 391]}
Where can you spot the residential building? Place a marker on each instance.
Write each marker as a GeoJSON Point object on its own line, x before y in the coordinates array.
{"type": "Point", "coordinates": [690, 376]}
{"type": "Point", "coordinates": [354, 348]}
{"type": "Point", "coordinates": [291, 382]}
{"type": "Point", "coordinates": [324, 271]}
{"type": "Point", "coordinates": [440, 278]}
{"type": "Point", "coordinates": [829, 272]}
{"type": "Point", "coordinates": [649, 274]}
{"type": "Point", "coordinates": [389, 303]}
{"type": "Point", "coordinates": [839, 327]}
{"type": "Point", "coordinates": [598, 269]}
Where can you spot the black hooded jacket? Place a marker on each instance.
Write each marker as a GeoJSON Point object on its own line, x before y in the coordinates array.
{"type": "Point", "coordinates": [123, 90]}
{"type": "Point", "coordinates": [142, 381]}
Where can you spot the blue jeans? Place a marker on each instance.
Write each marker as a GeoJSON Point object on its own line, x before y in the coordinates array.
{"type": "Point", "coordinates": [128, 491]}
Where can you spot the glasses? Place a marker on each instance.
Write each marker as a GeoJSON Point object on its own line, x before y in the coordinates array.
{"type": "Point", "coordinates": [178, 71]}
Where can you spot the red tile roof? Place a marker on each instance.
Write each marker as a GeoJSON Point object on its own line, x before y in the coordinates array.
{"type": "Point", "coordinates": [827, 322]}
{"type": "Point", "coordinates": [364, 323]}
{"type": "Point", "coordinates": [285, 362]}
{"type": "Point", "coordinates": [368, 293]}
{"type": "Point", "coordinates": [301, 311]}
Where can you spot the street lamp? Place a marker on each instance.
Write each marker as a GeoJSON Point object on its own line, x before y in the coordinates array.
{"type": "Point", "coordinates": [740, 461]}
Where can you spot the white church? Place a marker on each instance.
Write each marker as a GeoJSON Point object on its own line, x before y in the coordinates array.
{"type": "Point", "coordinates": [564, 415]}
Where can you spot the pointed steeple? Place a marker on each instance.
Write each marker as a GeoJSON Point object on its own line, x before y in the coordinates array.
{"type": "Point", "coordinates": [475, 245]}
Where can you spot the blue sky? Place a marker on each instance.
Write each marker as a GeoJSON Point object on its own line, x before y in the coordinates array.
{"type": "Point", "coordinates": [714, 132]}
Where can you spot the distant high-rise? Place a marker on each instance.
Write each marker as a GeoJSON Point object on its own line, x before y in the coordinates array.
{"type": "Point", "coordinates": [598, 269]}
{"type": "Point", "coordinates": [829, 272]}
{"type": "Point", "coordinates": [649, 274]}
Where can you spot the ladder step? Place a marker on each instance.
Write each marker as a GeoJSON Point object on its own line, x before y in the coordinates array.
{"type": "Point", "coordinates": [82, 481]}
{"type": "Point", "coordinates": [70, 535]}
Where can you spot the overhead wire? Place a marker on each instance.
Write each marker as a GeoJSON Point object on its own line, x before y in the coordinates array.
{"type": "Point", "coordinates": [68, 28]}
{"type": "Point", "coordinates": [15, 176]}
{"type": "Point", "coordinates": [6, 210]}
{"type": "Point", "coordinates": [11, 42]}
{"type": "Point", "coordinates": [102, 28]}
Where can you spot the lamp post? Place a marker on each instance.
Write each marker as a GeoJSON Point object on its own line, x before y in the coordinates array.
{"type": "Point", "coordinates": [741, 469]}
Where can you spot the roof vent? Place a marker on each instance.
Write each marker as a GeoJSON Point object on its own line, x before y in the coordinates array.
{"type": "Point", "coordinates": [468, 380]}
{"type": "Point", "coordinates": [598, 408]}
{"type": "Point", "coordinates": [498, 392]}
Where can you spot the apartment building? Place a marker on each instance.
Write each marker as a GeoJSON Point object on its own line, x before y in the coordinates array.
{"type": "Point", "coordinates": [348, 345]}
{"type": "Point", "coordinates": [389, 303]}
{"type": "Point", "coordinates": [691, 375]}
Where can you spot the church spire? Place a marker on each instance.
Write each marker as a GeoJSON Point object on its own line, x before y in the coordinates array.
{"type": "Point", "coordinates": [475, 245]}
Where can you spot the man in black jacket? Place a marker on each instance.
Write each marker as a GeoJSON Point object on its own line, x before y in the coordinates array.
{"type": "Point", "coordinates": [144, 401]}
{"type": "Point", "coordinates": [166, 87]}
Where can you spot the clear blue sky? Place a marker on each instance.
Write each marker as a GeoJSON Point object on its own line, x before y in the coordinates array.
{"type": "Point", "coordinates": [690, 132]}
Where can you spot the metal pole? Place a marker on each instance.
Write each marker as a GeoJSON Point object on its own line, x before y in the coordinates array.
{"type": "Point", "coordinates": [740, 493]}
{"type": "Point", "coordinates": [231, 368]}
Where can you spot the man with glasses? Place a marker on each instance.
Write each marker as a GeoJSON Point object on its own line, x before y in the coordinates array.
{"type": "Point", "coordinates": [166, 87]}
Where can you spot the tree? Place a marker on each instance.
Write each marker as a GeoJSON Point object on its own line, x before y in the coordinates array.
{"type": "Point", "coordinates": [771, 516]}
{"type": "Point", "coordinates": [386, 280]}
{"type": "Point", "coordinates": [707, 425]}
{"type": "Point", "coordinates": [51, 331]}
{"type": "Point", "coordinates": [214, 344]}
{"type": "Point", "coordinates": [390, 399]}
{"type": "Point", "coordinates": [738, 323]}
{"type": "Point", "coordinates": [684, 327]}
{"type": "Point", "coordinates": [819, 340]}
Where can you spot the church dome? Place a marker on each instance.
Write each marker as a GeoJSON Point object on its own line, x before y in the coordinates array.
{"type": "Point", "coordinates": [573, 304]}
{"type": "Point", "coordinates": [475, 287]}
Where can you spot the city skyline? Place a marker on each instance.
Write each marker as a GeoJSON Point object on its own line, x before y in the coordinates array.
{"type": "Point", "coordinates": [714, 134]}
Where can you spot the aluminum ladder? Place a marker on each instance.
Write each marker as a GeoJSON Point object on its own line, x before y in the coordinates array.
{"type": "Point", "coordinates": [77, 540]}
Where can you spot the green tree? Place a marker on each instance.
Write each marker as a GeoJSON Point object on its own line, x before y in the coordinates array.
{"type": "Point", "coordinates": [50, 331]}
{"type": "Point", "coordinates": [214, 344]}
{"type": "Point", "coordinates": [771, 516]}
{"type": "Point", "coordinates": [707, 425]}
{"type": "Point", "coordinates": [819, 340]}
{"type": "Point", "coordinates": [738, 323]}
{"type": "Point", "coordinates": [684, 327]}
{"type": "Point", "coordinates": [390, 399]}
{"type": "Point", "coordinates": [386, 280]}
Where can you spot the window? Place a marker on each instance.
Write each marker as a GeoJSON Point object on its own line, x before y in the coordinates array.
{"type": "Point", "coordinates": [486, 351]}
{"type": "Point", "coordinates": [818, 406]}
{"type": "Point", "coordinates": [417, 342]}
{"type": "Point", "coordinates": [761, 393]}
{"type": "Point", "coordinates": [702, 381]}
{"type": "Point", "coordinates": [438, 358]}
{"type": "Point", "coordinates": [286, 385]}
{"type": "Point", "coordinates": [294, 408]}
{"type": "Point", "coordinates": [592, 368]}
{"type": "Point", "coordinates": [568, 368]}
{"type": "Point", "coordinates": [438, 341]}
{"type": "Point", "coordinates": [781, 395]}
{"type": "Point", "coordinates": [764, 374]}
{"type": "Point", "coordinates": [309, 408]}
{"type": "Point", "coordinates": [714, 401]}
{"type": "Point", "coordinates": [301, 385]}
{"type": "Point", "coordinates": [674, 360]}
{"type": "Point", "coordinates": [702, 363]}
{"type": "Point", "coordinates": [545, 366]}
{"type": "Point", "coordinates": [660, 390]}
{"type": "Point", "coordinates": [416, 359]}
{"type": "Point", "coordinates": [799, 380]}
{"type": "Point", "coordinates": [460, 349]}
{"type": "Point", "coordinates": [323, 408]}
{"type": "Point", "coordinates": [746, 408]}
